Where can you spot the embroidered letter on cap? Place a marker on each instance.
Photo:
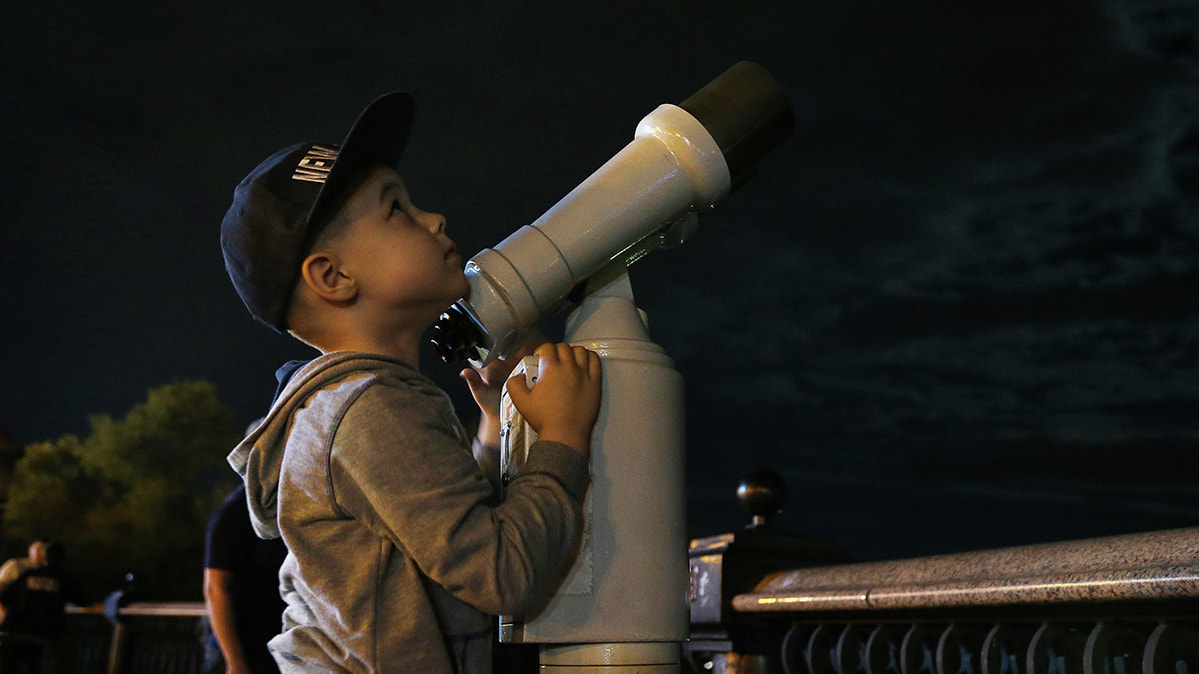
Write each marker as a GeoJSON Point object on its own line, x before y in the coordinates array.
{"type": "Point", "coordinates": [315, 165]}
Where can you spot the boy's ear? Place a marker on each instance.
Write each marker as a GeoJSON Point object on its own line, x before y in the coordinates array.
{"type": "Point", "coordinates": [323, 274]}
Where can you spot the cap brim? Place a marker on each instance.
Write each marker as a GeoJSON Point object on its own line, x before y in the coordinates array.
{"type": "Point", "coordinates": [378, 137]}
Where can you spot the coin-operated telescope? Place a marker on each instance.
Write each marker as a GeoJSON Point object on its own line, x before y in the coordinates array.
{"type": "Point", "coordinates": [623, 605]}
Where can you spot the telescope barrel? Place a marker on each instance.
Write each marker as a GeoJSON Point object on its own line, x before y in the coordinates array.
{"type": "Point", "coordinates": [683, 160]}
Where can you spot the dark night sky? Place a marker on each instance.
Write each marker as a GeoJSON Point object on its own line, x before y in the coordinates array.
{"type": "Point", "coordinates": [956, 309]}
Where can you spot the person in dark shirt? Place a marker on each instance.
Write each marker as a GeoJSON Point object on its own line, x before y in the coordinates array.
{"type": "Point", "coordinates": [35, 606]}
{"type": "Point", "coordinates": [241, 587]}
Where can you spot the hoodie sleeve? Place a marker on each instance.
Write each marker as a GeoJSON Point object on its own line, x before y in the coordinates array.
{"type": "Point", "coordinates": [400, 462]}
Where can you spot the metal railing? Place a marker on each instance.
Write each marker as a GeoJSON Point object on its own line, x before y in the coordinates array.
{"type": "Point", "coordinates": [143, 638]}
{"type": "Point", "coordinates": [765, 600]}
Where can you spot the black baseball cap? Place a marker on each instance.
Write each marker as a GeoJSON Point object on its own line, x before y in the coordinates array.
{"type": "Point", "coordinates": [281, 206]}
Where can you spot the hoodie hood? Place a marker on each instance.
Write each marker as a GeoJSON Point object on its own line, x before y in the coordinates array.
{"type": "Point", "coordinates": [259, 457]}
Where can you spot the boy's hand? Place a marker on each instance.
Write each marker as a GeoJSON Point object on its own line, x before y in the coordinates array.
{"type": "Point", "coordinates": [564, 404]}
{"type": "Point", "coordinates": [487, 386]}
{"type": "Point", "coordinates": [487, 383]}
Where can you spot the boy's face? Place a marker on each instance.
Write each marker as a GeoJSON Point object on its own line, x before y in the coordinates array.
{"type": "Point", "coordinates": [399, 255]}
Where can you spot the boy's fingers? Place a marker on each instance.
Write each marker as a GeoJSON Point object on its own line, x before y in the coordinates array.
{"type": "Point", "coordinates": [582, 359]}
{"type": "Point", "coordinates": [545, 351]}
{"type": "Point", "coordinates": [517, 388]}
{"type": "Point", "coordinates": [471, 377]}
{"type": "Point", "coordinates": [496, 370]}
{"type": "Point", "coordinates": [565, 353]}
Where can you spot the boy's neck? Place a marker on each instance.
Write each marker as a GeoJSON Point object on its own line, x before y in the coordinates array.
{"type": "Point", "coordinates": [406, 349]}
{"type": "Point", "coordinates": [396, 332]}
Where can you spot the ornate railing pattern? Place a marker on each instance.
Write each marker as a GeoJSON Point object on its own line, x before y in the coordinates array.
{"type": "Point", "coordinates": [1053, 646]}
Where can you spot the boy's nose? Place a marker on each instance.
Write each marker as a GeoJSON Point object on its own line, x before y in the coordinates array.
{"type": "Point", "coordinates": [435, 222]}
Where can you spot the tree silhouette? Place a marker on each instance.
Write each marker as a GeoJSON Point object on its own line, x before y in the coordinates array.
{"type": "Point", "coordinates": [135, 495]}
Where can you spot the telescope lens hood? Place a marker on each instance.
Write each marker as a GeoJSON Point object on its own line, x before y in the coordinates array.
{"type": "Point", "coordinates": [747, 112]}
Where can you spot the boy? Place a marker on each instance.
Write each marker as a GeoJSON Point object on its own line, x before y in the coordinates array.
{"type": "Point", "coordinates": [397, 550]}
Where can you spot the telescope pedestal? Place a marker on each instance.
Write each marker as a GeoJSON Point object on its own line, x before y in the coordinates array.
{"type": "Point", "coordinates": [624, 602]}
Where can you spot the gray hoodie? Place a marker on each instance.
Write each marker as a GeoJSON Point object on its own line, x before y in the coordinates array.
{"type": "Point", "coordinates": [397, 549]}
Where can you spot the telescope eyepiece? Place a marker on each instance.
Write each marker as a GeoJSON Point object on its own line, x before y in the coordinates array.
{"type": "Point", "coordinates": [456, 337]}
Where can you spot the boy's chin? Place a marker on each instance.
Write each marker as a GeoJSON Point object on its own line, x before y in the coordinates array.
{"type": "Point", "coordinates": [463, 290]}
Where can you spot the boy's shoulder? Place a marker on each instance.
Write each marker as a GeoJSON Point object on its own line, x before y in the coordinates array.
{"type": "Point", "coordinates": [386, 402]}
{"type": "Point", "coordinates": [348, 418]}
{"type": "Point", "coordinates": [368, 390]}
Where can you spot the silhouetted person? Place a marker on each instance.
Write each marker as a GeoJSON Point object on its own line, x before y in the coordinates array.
{"type": "Point", "coordinates": [35, 606]}
{"type": "Point", "coordinates": [13, 567]}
